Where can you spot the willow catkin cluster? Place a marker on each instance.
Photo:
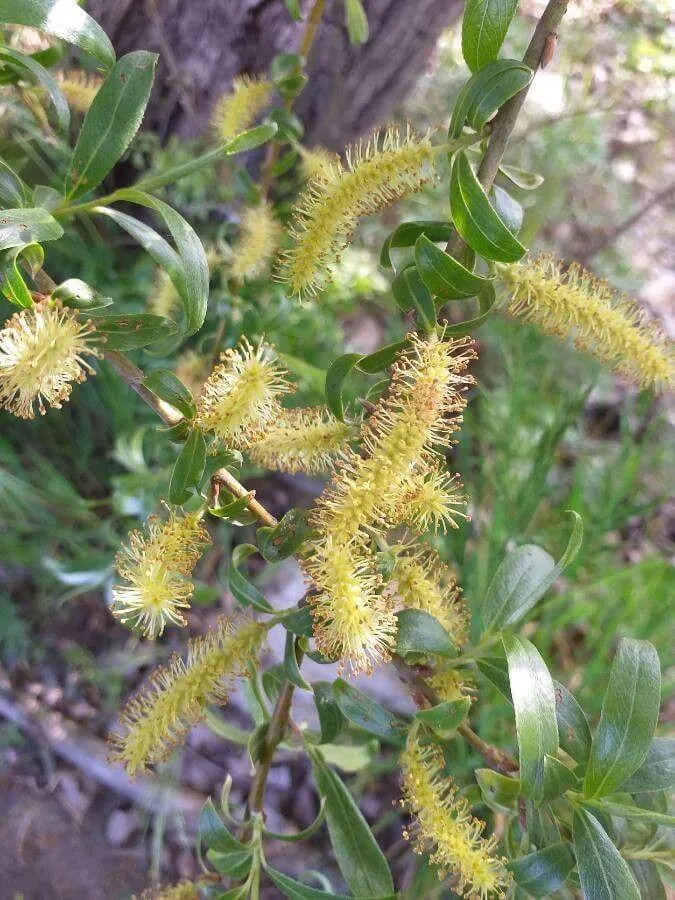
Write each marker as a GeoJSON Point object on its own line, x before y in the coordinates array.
{"type": "Point", "coordinates": [79, 88]}
{"type": "Point", "coordinates": [445, 828]}
{"type": "Point", "coordinates": [305, 440]}
{"type": "Point", "coordinates": [43, 351]}
{"type": "Point", "coordinates": [157, 563]}
{"type": "Point", "coordinates": [238, 110]}
{"type": "Point", "coordinates": [573, 303]}
{"type": "Point", "coordinates": [240, 398]}
{"type": "Point", "coordinates": [354, 619]}
{"type": "Point", "coordinates": [257, 242]}
{"type": "Point", "coordinates": [435, 502]}
{"type": "Point", "coordinates": [389, 165]}
{"type": "Point", "coordinates": [176, 697]}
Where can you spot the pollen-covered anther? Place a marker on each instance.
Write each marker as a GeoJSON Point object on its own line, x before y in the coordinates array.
{"type": "Point", "coordinates": [42, 354]}
{"type": "Point", "coordinates": [435, 502]}
{"type": "Point", "coordinates": [239, 399]}
{"type": "Point", "coordinates": [238, 110]}
{"type": "Point", "coordinates": [445, 828]}
{"type": "Point", "coordinates": [302, 440]}
{"type": "Point", "coordinates": [257, 242]}
{"type": "Point", "coordinates": [176, 697]}
{"type": "Point", "coordinates": [573, 303]}
{"type": "Point", "coordinates": [389, 165]}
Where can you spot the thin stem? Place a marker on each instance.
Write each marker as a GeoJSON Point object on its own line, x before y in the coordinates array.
{"type": "Point", "coordinates": [224, 477]}
{"type": "Point", "coordinates": [135, 377]}
{"type": "Point", "coordinates": [313, 22]}
{"type": "Point", "coordinates": [276, 731]}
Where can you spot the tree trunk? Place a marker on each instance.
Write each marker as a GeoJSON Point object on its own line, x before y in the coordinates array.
{"type": "Point", "coordinates": [204, 44]}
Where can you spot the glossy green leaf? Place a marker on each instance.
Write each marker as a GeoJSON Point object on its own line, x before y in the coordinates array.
{"type": "Point", "coordinates": [496, 90]}
{"type": "Point", "coordinates": [509, 210]}
{"type": "Point", "coordinates": [475, 89]}
{"type": "Point", "coordinates": [212, 831]}
{"type": "Point", "coordinates": [335, 379]}
{"type": "Point", "coordinates": [366, 713]}
{"type": "Point", "coordinates": [648, 879]}
{"type": "Point", "coordinates": [486, 300]}
{"type": "Point", "coordinates": [19, 227]}
{"type": "Point", "coordinates": [574, 732]}
{"type": "Point", "coordinates": [63, 19]}
{"type": "Point", "coordinates": [356, 21]}
{"type": "Point", "coordinates": [523, 577]}
{"type": "Point", "coordinates": [111, 121]}
{"type": "Point", "coordinates": [357, 854]}
{"type": "Point", "coordinates": [381, 359]}
{"type": "Point", "coordinates": [235, 863]}
{"type": "Point", "coordinates": [410, 292]}
{"type": "Point", "coordinates": [249, 140]}
{"type": "Point", "coordinates": [657, 772]}
{"type": "Point", "coordinates": [534, 706]}
{"type": "Point", "coordinates": [604, 873]}
{"type": "Point", "coordinates": [13, 192]}
{"type": "Point", "coordinates": [407, 234]}
{"type": "Point", "coordinates": [165, 384]}
{"type": "Point", "coordinates": [443, 275]}
{"type": "Point", "coordinates": [631, 811]}
{"type": "Point", "coordinates": [234, 509]}
{"type": "Point", "coordinates": [527, 181]}
{"type": "Point", "coordinates": [78, 294]}
{"type": "Point", "coordinates": [299, 622]}
{"type": "Point", "coordinates": [629, 715]}
{"type": "Point", "coordinates": [499, 791]}
{"type": "Point", "coordinates": [445, 717]}
{"type": "Point", "coordinates": [557, 778]}
{"type": "Point", "coordinates": [543, 872]}
{"type": "Point", "coordinates": [484, 28]}
{"type": "Point", "coordinates": [420, 633]}
{"type": "Point", "coordinates": [475, 218]}
{"type": "Point", "coordinates": [296, 890]}
{"type": "Point", "coordinates": [291, 668]}
{"type": "Point", "coordinates": [302, 835]}
{"type": "Point", "coordinates": [331, 720]}
{"type": "Point", "coordinates": [188, 468]}
{"type": "Point", "coordinates": [12, 284]}
{"type": "Point", "coordinates": [27, 65]}
{"type": "Point", "coordinates": [496, 670]}
{"type": "Point", "coordinates": [133, 330]}
{"type": "Point", "coordinates": [286, 537]}
{"type": "Point", "coordinates": [542, 828]}
{"type": "Point", "coordinates": [246, 593]}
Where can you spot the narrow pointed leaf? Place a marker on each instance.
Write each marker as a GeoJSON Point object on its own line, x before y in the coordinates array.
{"type": "Point", "coordinates": [445, 277]}
{"type": "Point", "coordinates": [28, 65]}
{"type": "Point", "coordinates": [188, 468]}
{"type": "Point", "coordinates": [573, 730]}
{"type": "Point", "coordinates": [134, 330]}
{"type": "Point", "coordinates": [657, 772]}
{"type": "Point", "coordinates": [484, 28]}
{"type": "Point", "coordinates": [604, 873]}
{"type": "Point", "coordinates": [543, 872]}
{"type": "Point", "coordinates": [365, 712]}
{"type": "Point", "coordinates": [19, 227]}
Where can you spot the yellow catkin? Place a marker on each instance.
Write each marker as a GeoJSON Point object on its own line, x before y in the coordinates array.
{"type": "Point", "coordinates": [79, 88]}
{"type": "Point", "coordinates": [42, 354]}
{"type": "Point", "coordinates": [435, 502]}
{"type": "Point", "coordinates": [573, 303]}
{"type": "Point", "coordinates": [389, 165]}
{"type": "Point", "coordinates": [445, 828]}
{"type": "Point", "coordinates": [238, 110]}
{"type": "Point", "coordinates": [157, 719]}
{"type": "Point", "coordinates": [156, 564]}
{"type": "Point", "coordinates": [257, 242]}
{"type": "Point", "coordinates": [421, 580]}
{"type": "Point", "coordinates": [316, 161]}
{"type": "Point", "coordinates": [450, 684]}
{"type": "Point", "coordinates": [164, 298]}
{"type": "Point", "coordinates": [239, 399]}
{"type": "Point", "coordinates": [184, 890]}
{"type": "Point", "coordinates": [302, 440]}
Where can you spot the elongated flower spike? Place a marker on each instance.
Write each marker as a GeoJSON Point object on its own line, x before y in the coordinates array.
{"type": "Point", "coordinates": [435, 502]}
{"type": "Point", "coordinates": [389, 165]}
{"type": "Point", "coordinates": [157, 564]}
{"type": "Point", "coordinates": [176, 697]}
{"type": "Point", "coordinates": [239, 400]}
{"type": "Point", "coordinates": [42, 354]}
{"type": "Point", "coordinates": [238, 110]}
{"type": "Point", "coordinates": [302, 440]}
{"type": "Point", "coordinates": [445, 828]}
{"type": "Point", "coordinates": [257, 242]}
{"type": "Point", "coordinates": [79, 88]}
{"type": "Point", "coordinates": [420, 580]}
{"type": "Point", "coordinates": [316, 160]}
{"type": "Point", "coordinates": [575, 304]}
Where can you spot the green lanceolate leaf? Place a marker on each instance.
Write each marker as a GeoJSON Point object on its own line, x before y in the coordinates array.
{"type": "Point", "coordinates": [407, 234]}
{"type": "Point", "coordinates": [246, 593]}
{"type": "Point", "coordinates": [631, 811]}
{"type": "Point", "coordinates": [657, 772]}
{"type": "Point", "coordinates": [499, 791]}
{"type": "Point", "coordinates": [477, 87]}
{"type": "Point", "coordinates": [331, 720]}
{"type": "Point", "coordinates": [648, 879]}
{"type": "Point", "coordinates": [357, 22]}
{"type": "Point", "coordinates": [13, 192]}
{"type": "Point", "coordinates": [496, 670]}
{"type": "Point", "coordinates": [543, 872]}
{"type": "Point", "coordinates": [19, 227]}
{"type": "Point", "coordinates": [291, 667]}
{"type": "Point", "coordinates": [63, 19]}
{"type": "Point", "coordinates": [358, 856]}
{"type": "Point", "coordinates": [445, 717]}
{"type": "Point", "coordinates": [503, 85]}
{"type": "Point", "coordinates": [523, 578]}
{"type": "Point", "coordinates": [443, 275]}
{"type": "Point", "coordinates": [296, 890]}
{"type": "Point", "coordinates": [286, 537]}
{"type": "Point", "coordinates": [299, 622]}
{"type": "Point", "coordinates": [78, 294]}
{"type": "Point", "coordinates": [41, 76]}
{"type": "Point", "coordinates": [526, 181]}
{"type": "Point", "coordinates": [475, 219]}
{"type": "Point", "coordinates": [366, 713]}
{"type": "Point", "coordinates": [249, 140]}
{"type": "Point", "coordinates": [12, 284]}
{"type": "Point", "coordinates": [420, 633]}
{"type": "Point", "coordinates": [134, 330]}
{"type": "Point", "coordinates": [381, 359]}
{"type": "Point", "coordinates": [509, 210]}
{"type": "Point", "coordinates": [534, 704]}
{"type": "Point", "coordinates": [111, 121]}
{"type": "Point", "coordinates": [574, 732]}
{"type": "Point", "coordinates": [188, 468]}
{"type": "Point", "coordinates": [484, 28]}
{"type": "Point", "coordinates": [604, 873]}
{"type": "Point", "coordinates": [171, 389]}
{"type": "Point", "coordinates": [335, 379]}
{"type": "Point", "coordinates": [557, 778]}
{"type": "Point", "coordinates": [410, 292]}
{"type": "Point", "coordinates": [629, 715]}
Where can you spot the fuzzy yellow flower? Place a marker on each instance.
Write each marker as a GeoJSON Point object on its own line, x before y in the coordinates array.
{"type": "Point", "coordinates": [316, 161]}
{"type": "Point", "coordinates": [238, 110]}
{"type": "Point", "coordinates": [42, 354]}
{"type": "Point", "coordinates": [445, 826]}
{"type": "Point", "coordinates": [157, 563]}
{"type": "Point", "coordinates": [450, 684]}
{"type": "Point", "coordinates": [435, 502]}
{"type": "Point", "coordinates": [573, 303]}
{"type": "Point", "coordinates": [302, 440]}
{"type": "Point", "coordinates": [420, 580]}
{"type": "Point", "coordinates": [389, 165]}
{"type": "Point", "coordinates": [79, 88]}
{"type": "Point", "coordinates": [157, 719]}
{"type": "Point", "coordinates": [257, 242]}
{"type": "Point", "coordinates": [240, 398]}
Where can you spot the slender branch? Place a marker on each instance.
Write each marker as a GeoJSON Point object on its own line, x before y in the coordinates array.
{"type": "Point", "coordinates": [313, 22]}
{"type": "Point", "coordinates": [134, 377]}
{"type": "Point", "coordinates": [226, 478]}
{"type": "Point", "coordinates": [275, 734]}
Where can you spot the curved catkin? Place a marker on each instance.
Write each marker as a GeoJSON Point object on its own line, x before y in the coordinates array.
{"type": "Point", "coordinates": [445, 828]}
{"type": "Point", "coordinates": [238, 110]}
{"type": "Point", "coordinates": [257, 242]}
{"type": "Point", "coordinates": [575, 304]}
{"type": "Point", "coordinates": [157, 719]}
{"type": "Point", "coordinates": [389, 165]}
{"type": "Point", "coordinates": [302, 440]}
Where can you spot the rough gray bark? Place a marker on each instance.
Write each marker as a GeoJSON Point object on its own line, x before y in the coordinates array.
{"type": "Point", "coordinates": [205, 43]}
